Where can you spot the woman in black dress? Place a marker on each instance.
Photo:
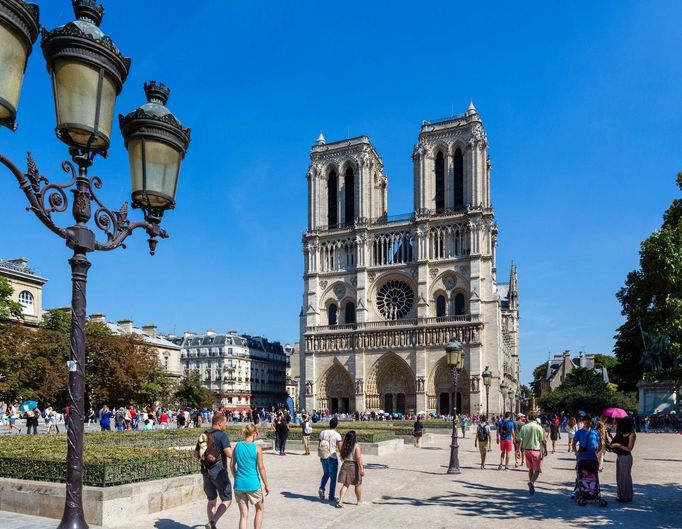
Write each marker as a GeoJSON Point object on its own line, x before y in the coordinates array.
{"type": "Point", "coordinates": [622, 445]}
{"type": "Point", "coordinates": [282, 431]}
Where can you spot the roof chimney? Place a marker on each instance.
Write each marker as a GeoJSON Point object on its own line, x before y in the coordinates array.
{"type": "Point", "coordinates": [210, 332]}
{"type": "Point", "coordinates": [149, 330]}
{"type": "Point", "coordinates": [98, 317]}
{"type": "Point", "coordinates": [126, 326]}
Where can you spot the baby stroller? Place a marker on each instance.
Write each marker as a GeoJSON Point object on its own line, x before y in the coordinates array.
{"type": "Point", "coordinates": [587, 488]}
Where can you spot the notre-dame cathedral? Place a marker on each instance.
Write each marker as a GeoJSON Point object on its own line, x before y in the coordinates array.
{"type": "Point", "coordinates": [383, 295]}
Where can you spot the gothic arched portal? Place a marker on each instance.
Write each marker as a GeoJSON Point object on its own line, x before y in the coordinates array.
{"type": "Point", "coordinates": [440, 387]}
{"type": "Point", "coordinates": [391, 385]}
{"type": "Point", "coordinates": [335, 391]}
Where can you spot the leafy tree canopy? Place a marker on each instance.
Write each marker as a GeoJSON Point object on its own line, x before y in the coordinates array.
{"type": "Point", "coordinates": [191, 393]}
{"type": "Point", "coordinates": [652, 298]}
{"type": "Point", "coordinates": [8, 307]}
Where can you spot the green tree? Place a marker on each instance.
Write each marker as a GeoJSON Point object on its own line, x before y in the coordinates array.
{"type": "Point", "coordinates": [192, 393]}
{"type": "Point", "coordinates": [652, 298]}
{"type": "Point", "coordinates": [538, 376]}
{"type": "Point", "coordinates": [585, 390]}
{"type": "Point", "coordinates": [8, 307]}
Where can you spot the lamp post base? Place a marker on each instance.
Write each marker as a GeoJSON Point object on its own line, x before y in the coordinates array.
{"type": "Point", "coordinates": [453, 468]}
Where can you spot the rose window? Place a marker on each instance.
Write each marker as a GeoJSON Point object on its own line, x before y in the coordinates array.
{"type": "Point", "coordinates": [395, 300]}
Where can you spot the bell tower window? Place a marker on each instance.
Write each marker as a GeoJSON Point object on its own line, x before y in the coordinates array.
{"type": "Point", "coordinates": [459, 304]}
{"type": "Point", "coordinates": [350, 196]}
{"type": "Point", "coordinates": [332, 314]}
{"type": "Point", "coordinates": [458, 172]}
{"type": "Point", "coordinates": [350, 313]}
{"type": "Point", "coordinates": [332, 200]}
{"type": "Point", "coordinates": [440, 181]}
{"type": "Point", "coordinates": [440, 306]}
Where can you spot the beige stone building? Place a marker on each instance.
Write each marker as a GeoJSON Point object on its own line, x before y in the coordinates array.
{"type": "Point", "coordinates": [384, 294]}
{"type": "Point", "coordinates": [241, 371]}
{"type": "Point", "coordinates": [169, 352]}
{"type": "Point", "coordinates": [28, 288]}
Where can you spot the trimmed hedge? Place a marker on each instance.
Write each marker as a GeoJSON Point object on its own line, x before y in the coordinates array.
{"type": "Point", "coordinates": [43, 458]}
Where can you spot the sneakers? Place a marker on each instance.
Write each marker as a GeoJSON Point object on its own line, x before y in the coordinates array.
{"type": "Point", "coordinates": [210, 525]}
{"type": "Point", "coordinates": [499, 468]}
{"type": "Point", "coordinates": [320, 493]}
{"type": "Point", "coordinates": [338, 505]}
{"type": "Point", "coordinates": [531, 488]}
{"type": "Point", "coordinates": [482, 467]}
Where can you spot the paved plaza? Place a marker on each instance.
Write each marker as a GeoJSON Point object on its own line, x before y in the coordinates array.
{"type": "Point", "coordinates": [410, 489]}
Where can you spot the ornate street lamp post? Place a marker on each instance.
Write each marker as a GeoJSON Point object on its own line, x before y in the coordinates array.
{"type": "Point", "coordinates": [88, 72]}
{"type": "Point", "coordinates": [487, 377]}
{"type": "Point", "coordinates": [455, 357]}
{"type": "Point", "coordinates": [503, 392]}
{"type": "Point", "coordinates": [511, 399]}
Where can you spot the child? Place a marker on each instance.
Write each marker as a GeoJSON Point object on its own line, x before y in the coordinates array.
{"type": "Point", "coordinates": [588, 482]}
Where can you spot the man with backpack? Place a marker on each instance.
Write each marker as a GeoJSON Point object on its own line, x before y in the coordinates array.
{"type": "Point", "coordinates": [330, 444]}
{"type": "Point", "coordinates": [505, 438]}
{"type": "Point", "coordinates": [482, 439]}
{"type": "Point", "coordinates": [213, 449]}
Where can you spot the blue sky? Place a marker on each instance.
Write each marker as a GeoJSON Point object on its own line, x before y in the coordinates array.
{"type": "Point", "coordinates": [580, 101]}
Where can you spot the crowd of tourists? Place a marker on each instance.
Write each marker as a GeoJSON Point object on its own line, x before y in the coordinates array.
{"type": "Point", "coordinates": [528, 440]}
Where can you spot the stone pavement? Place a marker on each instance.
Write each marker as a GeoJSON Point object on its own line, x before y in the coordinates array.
{"type": "Point", "coordinates": [481, 499]}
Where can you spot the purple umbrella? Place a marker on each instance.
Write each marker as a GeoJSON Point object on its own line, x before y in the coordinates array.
{"type": "Point", "coordinates": [614, 413]}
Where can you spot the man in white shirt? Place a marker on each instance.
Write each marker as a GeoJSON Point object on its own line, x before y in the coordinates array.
{"type": "Point", "coordinates": [330, 444]}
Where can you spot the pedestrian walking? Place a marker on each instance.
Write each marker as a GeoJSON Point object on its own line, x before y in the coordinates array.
{"type": "Point", "coordinates": [248, 470]}
{"type": "Point", "coordinates": [213, 449]}
{"type": "Point", "coordinates": [602, 450]}
{"type": "Point", "coordinates": [329, 445]}
{"type": "Point", "coordinates": [572, 429]}
{"type": "Point", "coordinates": [306, 430]}
{"type": "Point", "coordinates": [554, 434]}
{"type": "Point", "coordinates": [505, 436]}
{"type": "Point", "coordinates": [418, 432]}
{"type": "Point", "coordinates": [534, 447]}
{"type": "Point", "coordinates": [352, 470]}
{"type": "Point", "coordinates": [12, 418]}
{"type": "Point", "coordinates": [282, 432]}
{"type": "Point", "coordinates": [622, 445]}
{"type": "Point", "coordinates": [482, 439]}
{"type": "Point", "coordinates": [32, 421]}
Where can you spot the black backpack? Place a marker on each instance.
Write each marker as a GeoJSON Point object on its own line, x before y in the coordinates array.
{"type": "Point", "coordinates": [482, 433]}
{"type": "Point", "coordinates": [504, 429]}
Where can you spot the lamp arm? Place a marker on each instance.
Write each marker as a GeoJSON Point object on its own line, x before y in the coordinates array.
{"type": "Point", "coordinates": [125, 228]}
{"type": "Point", "coordinates": [37, 188]}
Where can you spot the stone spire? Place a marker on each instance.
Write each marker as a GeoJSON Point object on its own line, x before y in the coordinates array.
{"type": "Point", "coordinates": [513, 288]}
{"type": "Point", "coordinates": [320, 139]}
{"type": "Point", "coordinates": [472, 109]}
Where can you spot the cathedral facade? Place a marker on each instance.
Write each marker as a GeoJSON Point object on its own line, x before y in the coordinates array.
{"type": "Point", "coordinates": [384, 295]}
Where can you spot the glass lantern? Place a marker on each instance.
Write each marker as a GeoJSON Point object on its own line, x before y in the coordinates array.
{"type": "Point", "coordinates": [87, 72]}
{"type": "Point", "coordinates": [18, 32]}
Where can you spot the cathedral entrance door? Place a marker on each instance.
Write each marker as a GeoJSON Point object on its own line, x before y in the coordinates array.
{"type": "Point", "coordinates": [345, 405]}
{"type": "Point", "coordinates": [388, 403]}
{"type": "Point", "coordinates": [334, 405]}
{"type": "Point", "coordinates": [444, 404]}
{"type": "Point", "coordinates": [459, 402]}
{"type": "Point", "coordinates": [400, 403]}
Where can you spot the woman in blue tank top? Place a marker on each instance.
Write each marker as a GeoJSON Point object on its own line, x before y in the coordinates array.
{"type": "Point", "coordinates": [248, 468]}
